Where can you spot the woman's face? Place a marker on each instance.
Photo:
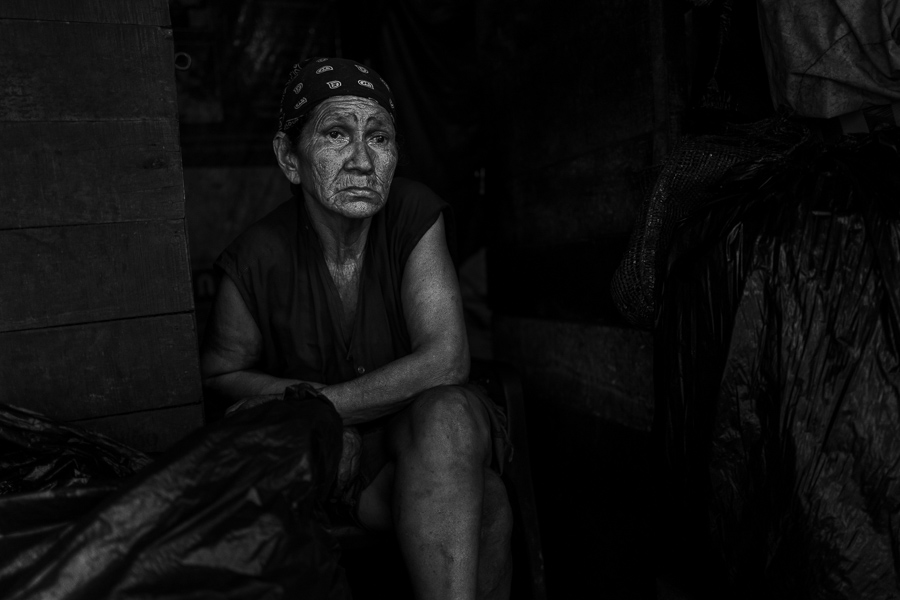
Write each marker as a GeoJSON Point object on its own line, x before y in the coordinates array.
{"type": "Point", "coordinates": [347, 154]}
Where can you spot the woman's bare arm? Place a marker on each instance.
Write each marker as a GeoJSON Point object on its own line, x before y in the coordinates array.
{"type": "Point", "coordinates": [231, 350]}
{"type": "Point", "coordinates": [432, 306]}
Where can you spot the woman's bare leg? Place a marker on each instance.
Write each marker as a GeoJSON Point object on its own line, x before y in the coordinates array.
{"type": "Point", "coordinates": [494, 555]}
{"type": "Point", "coordinates": [437, 482]}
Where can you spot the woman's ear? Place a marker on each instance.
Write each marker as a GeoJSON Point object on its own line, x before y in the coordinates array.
{"type": "Point", "coordinates": [287, 158]}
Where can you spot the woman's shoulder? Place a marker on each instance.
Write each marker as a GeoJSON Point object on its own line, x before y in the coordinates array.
{"type": "Point", "coordinates": [272, 235]}
{"type": "Point", "coordinates": [410, 190]}
{"type": "Point", "coordinates": [409, 198]}
{"type": "Point", "coordinates": [282, 218]}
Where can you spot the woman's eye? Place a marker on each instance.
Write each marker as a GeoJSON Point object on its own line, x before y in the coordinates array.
{"type": "Point", "coordinates": [379, 139]}
{"type": "Point", "coordinates": [334, 134]}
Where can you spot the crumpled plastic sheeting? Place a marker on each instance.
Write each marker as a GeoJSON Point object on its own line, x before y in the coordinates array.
{"type": "Point", "coordinates": [227, 513]}
{"type": "Point", "coordinates": [39, 454]}
{"type": "Point", "coordinates": [830, 57]}
{"type": "Point", "coordinates": [778, 372]}
{"type": "Point", "coordinates": [684, 182]}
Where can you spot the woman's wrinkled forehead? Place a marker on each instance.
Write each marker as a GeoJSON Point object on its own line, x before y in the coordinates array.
{"type": "Point", "coordinates": [317, 79]}
{"type": "Point", "coordinates": [351, 110]}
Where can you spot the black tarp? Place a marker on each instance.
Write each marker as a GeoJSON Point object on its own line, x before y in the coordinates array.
{"type": "Point", "coordinates": [230, 512]}
{"type": "Point", "coordinates": [778, 372]}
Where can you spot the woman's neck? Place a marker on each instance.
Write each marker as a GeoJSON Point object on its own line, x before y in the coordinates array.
{"type": "Point", "coordinates": [343, 245]}
{"type": "Point", "coordinates": [343, 239]}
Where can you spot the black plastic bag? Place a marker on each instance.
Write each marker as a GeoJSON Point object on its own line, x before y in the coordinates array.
{"type": "Point", "coordinates": [230, 512]}
{"type": "Point", "coordinates": [778, 372]}
{"type": "Point", "coordinates": [37, 454]}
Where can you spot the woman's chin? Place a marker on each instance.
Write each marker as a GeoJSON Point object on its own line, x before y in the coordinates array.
{"type": "Point", "coordinates": [358, 207]}
{"type": "Point", "coordinates": [347, 205]}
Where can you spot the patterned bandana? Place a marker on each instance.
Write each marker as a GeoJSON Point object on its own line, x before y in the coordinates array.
{"type": "Point", "coordinates": [315, 79]}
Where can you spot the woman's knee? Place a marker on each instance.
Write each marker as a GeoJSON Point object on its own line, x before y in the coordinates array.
{"type": "Point", "coordinates": [450, 419]}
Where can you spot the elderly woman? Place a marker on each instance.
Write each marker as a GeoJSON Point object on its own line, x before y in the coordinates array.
{"type": "Point", "coordinates": [349, 287]}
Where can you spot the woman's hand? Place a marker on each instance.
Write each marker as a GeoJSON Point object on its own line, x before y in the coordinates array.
{"type": "Point", "coordinates": [350, 452]}
{"type": "Point", "coordinates": [250, 402]}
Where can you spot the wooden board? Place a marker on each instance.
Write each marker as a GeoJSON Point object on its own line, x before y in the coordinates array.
{"type": "Point", "coordinates": [96, 369]}
{"type": "Point", "coordinates": [67, 275]}
{"type": "Point", "coordinates": [143, 12]}
{"type": "Point", "coordinates": [85, 71]}
{"type": "Point", "coordinates": [89, 172]}
{"type": "Point", "coordinates": [149, 431]}
{"type": "Point", "coordinates": [606, 372]}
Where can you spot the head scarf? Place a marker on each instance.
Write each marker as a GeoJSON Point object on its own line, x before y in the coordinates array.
{"type": "Point", "coordinates": [316, 79]}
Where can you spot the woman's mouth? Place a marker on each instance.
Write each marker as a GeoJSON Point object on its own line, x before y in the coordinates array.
{"type": "Point", "coordinates": [360, 191]}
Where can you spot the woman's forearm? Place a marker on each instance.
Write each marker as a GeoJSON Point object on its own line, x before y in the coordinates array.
{"type": "Point", "coordinates": [243, 384]}
{"type": "Point", "coordinates": [390, 388]}
{"type": "Point", "coordinates": [381, 392]}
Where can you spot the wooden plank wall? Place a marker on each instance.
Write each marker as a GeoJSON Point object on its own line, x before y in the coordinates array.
{"type": "Point", "coordinates": [96, 307]}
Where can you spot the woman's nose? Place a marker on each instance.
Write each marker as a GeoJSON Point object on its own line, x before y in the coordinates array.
{"type": "Point", "coordinates": [360, 159]}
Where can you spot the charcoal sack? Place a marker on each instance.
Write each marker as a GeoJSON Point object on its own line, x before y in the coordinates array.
{"type": "Point", "coordinates": [778, 371]}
